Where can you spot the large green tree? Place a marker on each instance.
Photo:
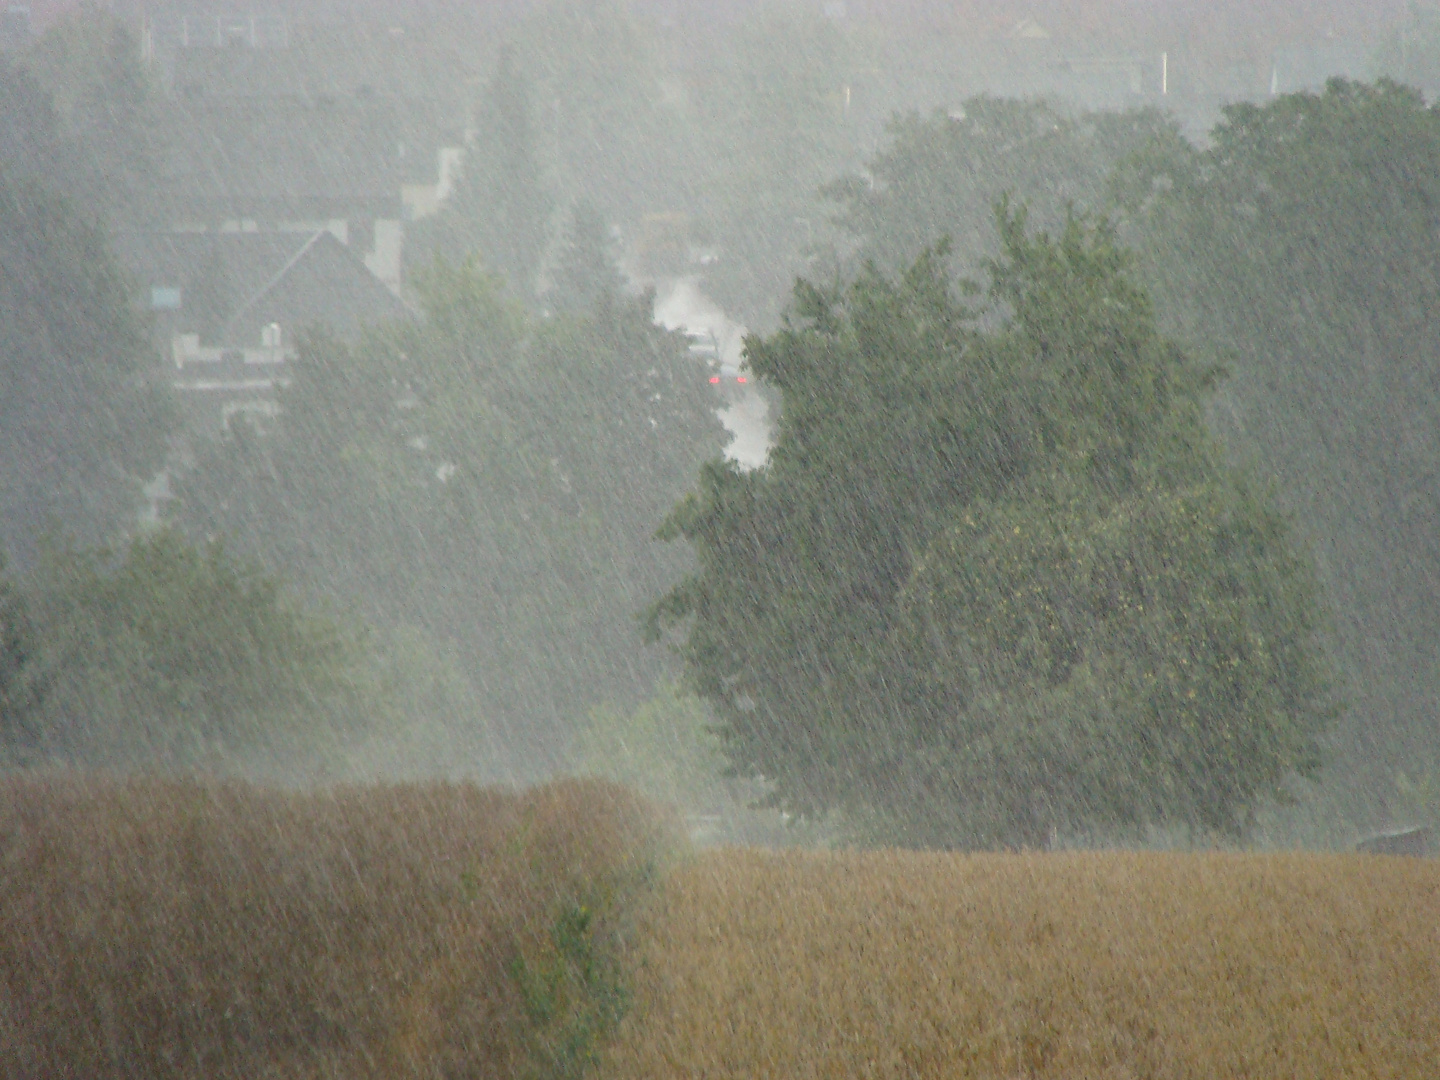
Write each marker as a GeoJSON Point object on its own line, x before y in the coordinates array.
{"type": "Point", "coordinates": [1300, 246]}
{"type": "Point", "coordinates": [995, 582]}
{"type": "Point", "coordinates": [166, 655]}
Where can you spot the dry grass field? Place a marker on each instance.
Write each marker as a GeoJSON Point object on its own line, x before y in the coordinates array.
{"type": "Point", "coordinates": [801, 966]}
{"type": "Point", "coordinates": [155, 930]}
{"type": "Point", "coordinates": [166, 930]}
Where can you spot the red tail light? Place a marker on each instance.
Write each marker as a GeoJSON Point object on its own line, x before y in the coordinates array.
{"type": "Point", "coordinates": [740, 378]}
{"type": "Point", "coordinates": [714, 380]}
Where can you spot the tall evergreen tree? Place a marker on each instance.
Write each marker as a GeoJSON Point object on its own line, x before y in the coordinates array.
{"type": "Point", "coordinates": [500, 210]}
{"type": "Point", "coordinates": [586, 273]}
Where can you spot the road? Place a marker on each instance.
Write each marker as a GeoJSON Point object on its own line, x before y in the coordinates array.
{"type": "Point", "coordinates": [681, 305]}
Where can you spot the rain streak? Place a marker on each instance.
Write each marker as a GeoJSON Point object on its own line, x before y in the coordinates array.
{"type": "Point", "coordinates": [752, 538]}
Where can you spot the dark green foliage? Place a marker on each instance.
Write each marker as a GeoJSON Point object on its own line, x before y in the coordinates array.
{"type": "Point", "coordinates": [168, 655]}
{"type": "Point", "coordinates": [492, 480]}
{"type": "Point", "coordinates": [1301, 247]}
{"type": "Point", "coordinates": [957, 602]}
{"type": "Point", "coordinates": [1091, 667]}
{"type": "Point", "coordinates": [575, 995]}
{"type": "Point", "coordinates": [80, 426]}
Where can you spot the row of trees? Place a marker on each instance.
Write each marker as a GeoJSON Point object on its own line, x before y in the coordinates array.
{"type": "Point", "coordinates": [998, 582]}
{"type": "Point", "coordinates": [1000, 578]}
{"type": "Point", "coordinates": [481, 483]}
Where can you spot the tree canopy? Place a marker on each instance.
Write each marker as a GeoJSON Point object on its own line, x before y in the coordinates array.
{"type": "Point", "coordinates": [941, 174]}
{"type": "Point", "coordinates": [995, 581]}
{"type": "Point", "coordinates": [163, 654]}
{"type": "Point", "coordinates": [1296, 249]}
{"type": "Point", "coordinates": [1300, 248]}
{"type": "Point", "coordinates": [491, 477]}
{"type": "Point", "coordinates": [80, 425]}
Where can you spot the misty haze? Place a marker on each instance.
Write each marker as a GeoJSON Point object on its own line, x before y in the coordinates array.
{"type": "Point", "coordinates": [546, 538]}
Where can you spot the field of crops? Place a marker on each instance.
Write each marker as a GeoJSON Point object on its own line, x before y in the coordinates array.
{"type": "Point", "coordinates": [157, 930]}
{"type": "Point", "coordinates": [898, 965]}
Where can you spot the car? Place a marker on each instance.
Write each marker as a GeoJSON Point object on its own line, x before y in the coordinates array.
{"type": "Point", "coordinates": [724, 375]}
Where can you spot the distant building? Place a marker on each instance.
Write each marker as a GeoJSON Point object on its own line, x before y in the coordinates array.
{"type": "Point", "coordinates": [284, 162]}
{"type": "Point", "coordinates": [359, 167]}
{"type": "Point", "coordinates": [227, 307]}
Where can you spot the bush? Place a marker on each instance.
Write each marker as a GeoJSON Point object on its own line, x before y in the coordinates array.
{"type": "Point", "coordinates": [165, 654]}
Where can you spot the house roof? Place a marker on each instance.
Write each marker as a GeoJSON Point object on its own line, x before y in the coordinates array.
{"type": "Point", "coordinates": [233, 284]}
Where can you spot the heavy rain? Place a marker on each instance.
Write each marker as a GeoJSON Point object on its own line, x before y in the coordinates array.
{"type": "Point", "coordinates": [727, 538]}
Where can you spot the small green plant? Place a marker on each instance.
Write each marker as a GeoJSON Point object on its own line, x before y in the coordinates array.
{"type": "Point", "coordinates": [575, 889]}
{"type": "Point", "coordinates": [574, 991]}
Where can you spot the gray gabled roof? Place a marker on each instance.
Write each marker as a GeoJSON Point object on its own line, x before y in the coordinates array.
{"type": "Point", "coordinates": [323, 282]}
{"type": "Point", "coordinates": [238, 282]}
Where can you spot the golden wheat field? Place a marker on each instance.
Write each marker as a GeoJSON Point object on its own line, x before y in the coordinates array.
{"type": "Point", "coordinates": [180, 930]}
{"type": "Point", "coordinates": [898, 965]}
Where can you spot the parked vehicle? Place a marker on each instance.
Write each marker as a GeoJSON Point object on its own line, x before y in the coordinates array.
{"type": "Point", "coordinates": [725, 376]}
